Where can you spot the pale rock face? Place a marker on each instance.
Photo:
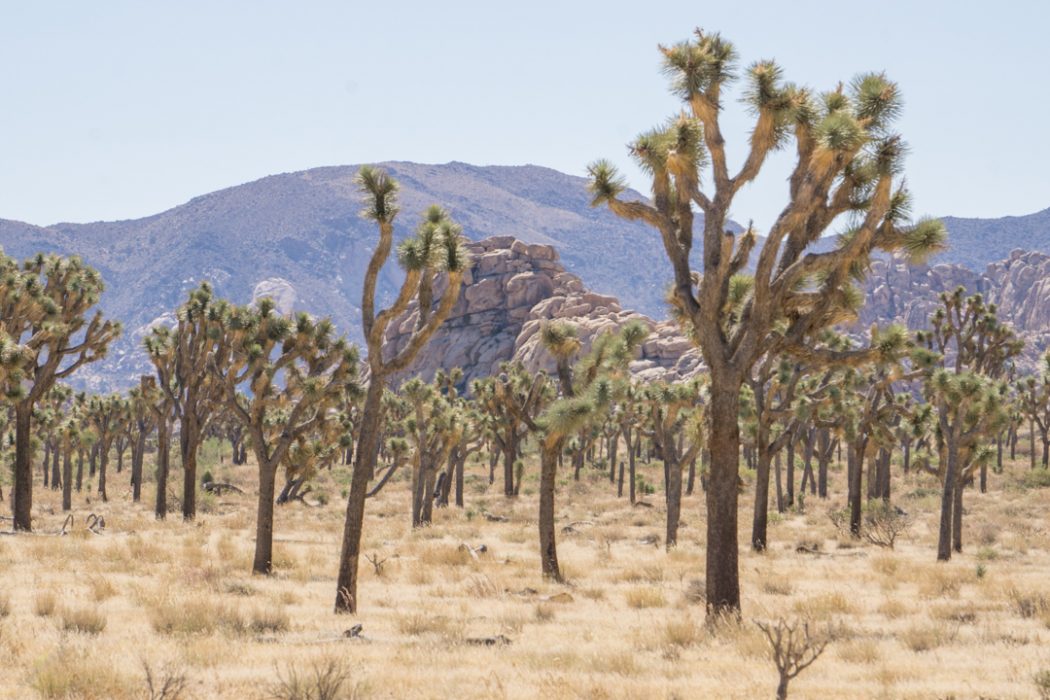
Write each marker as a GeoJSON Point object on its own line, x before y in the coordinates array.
{"type": "Point", "coordinates": [280, 291]}
{"type": "Point", "coordinates": [1019, 286]}
{"type": "Point", "coordinates": [510, 290]}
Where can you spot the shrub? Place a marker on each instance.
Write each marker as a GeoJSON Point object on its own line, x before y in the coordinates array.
{"type": "Point", "coordinates": [1042, 683]}
{"type": "Point", "coordinates": [323, 680]}
{"type": "Point", "coordinates": [1036, 479]}
{"type": "Point", "coordinates": [1028, 603]}
{"type": "Point", "coordinates": [44, 603]}
{"type": "Point", "coordinates": [681, 632]}
{"type": "Point", "coordinates": [269, 621]}
{"type": "Point", "coordinates": [645, 597]}
{"type": "Point", "coordinates": [193, 616]}
{"type": "Point", "coordinates": [66, 673]}
{"type": "Point", "coordinates": [82, 620]}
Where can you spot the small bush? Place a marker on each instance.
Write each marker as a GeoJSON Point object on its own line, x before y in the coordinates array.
{"type": "Point", "coordinates": [1028, 603]}
{"type": "Point", "coordinates": [82, 620]}
{"type": "Point", "coordinates": [325, 679]}
{"type": "Point", "coordinates": [5, 605]}
{"type": "Point", "coordinates": [44, 604]}
{"type": "Point", "coordinates": [418, 624]}
{"type": "Point", "coordinates": [193, 616]}
{"type": "Point", "coordinates": [1042, 683]}
{"type": "Point", "coordinates": [1036, 479]}
{"type": "Point", "coordinates": [66, 673]}
{"type": "Point", "coordinates": [168, 683]}
{"type": "Point", "coordinates": [269, 621]}
{"type": "Point", "coordinates": [681, 632]}
{"type": "Point", "coordinates": [821, 607]}
{"type": "Point", "coordinates": [920, 638]}
{"type": "Point", "coordinates": [544, 612]}
{"type": "Point", "coordinates": [101, 588]}
{"type": "Point", "coordinates": [859, 651]}
{"type": "Point", "coordinates": [645, 597]}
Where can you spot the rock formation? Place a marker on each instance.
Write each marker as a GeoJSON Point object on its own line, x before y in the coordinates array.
{"type": "Point", "coordinates": [511, 289]}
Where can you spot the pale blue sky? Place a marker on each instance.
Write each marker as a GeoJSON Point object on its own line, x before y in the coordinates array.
{"type": "Point", "coordinates": [122, 109]}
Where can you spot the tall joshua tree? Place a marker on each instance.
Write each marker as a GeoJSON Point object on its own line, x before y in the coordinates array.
{"type": "Point", "coordinates": [280, 417]}
{"type": "Point", "coordinates": [848, 161]}
{"type": "Point", "coordinates": [1035, 405]}
{"type": "Point", "coordinates": [588, 390]}
{"type": "Point", "coordinates": [181, 356]}
{"type": "Point", "coordinates": [436, 248]}
{"type": "Point", "coordinates": [964, 353]}
{"type": "Point", "coordinates": [104, 414]}
{"type": "Point", "coordinates": [45, 307]}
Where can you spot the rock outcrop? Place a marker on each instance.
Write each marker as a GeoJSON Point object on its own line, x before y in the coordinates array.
{"type": "Point", "coordinates": [1018, 285]}
{"type": "Point", "coordinates": [510, 290]}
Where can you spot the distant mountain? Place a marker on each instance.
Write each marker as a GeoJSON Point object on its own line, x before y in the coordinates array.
{"type": "Point", "coordinates": [976, 243]}
{"type": "Point", "coordinates": [298, 237]}
{"type": "Point", "coordinates": [301, 233]}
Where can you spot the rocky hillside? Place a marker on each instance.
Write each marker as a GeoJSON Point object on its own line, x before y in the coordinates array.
{"type": "Point", "coordinates": [510, 290]}
{"type": "Point", "coordinates": [301, 232]}
{"type": "Point", "coordinates": [1019, 285]}
{"type": "Point", "coordinates": [298, 237]}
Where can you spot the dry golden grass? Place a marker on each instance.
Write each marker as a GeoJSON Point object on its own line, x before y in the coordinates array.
{"type": "Point", "coordinates": [82, 616]}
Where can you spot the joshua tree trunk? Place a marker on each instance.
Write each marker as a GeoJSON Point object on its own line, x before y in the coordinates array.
{"type": "Point", "coordinates": [56, 471]}
{"type": "Point", "coordinates": [364, 469]}
{"type": "Point", "coordinates": [761, 516]}
{"type": "Point", "coordinates": [263, 562]}
{"type": "Point", "coordinates": [944, 542]}
{"type": "Point", "coordinates": [103, 461]}
{"type": "Point", "coordinates": [957, 513]}
{"type": "Point", "coordinates": [138, 451]}
{"type": "Point", "coordinates": [548, 477]}
{"type": "Point", "coordinates": [67, 480]}
{"type": "Point", "coordinates": [722, 577]}
{"type": "Point", "coordinates": [80, 469]}
{"type": "Point", "coordinates": [883, 474]}
{"type": "Point", "coordinates": [674, 496]}
{"type": "Point", "coordinates": [1031, 444]}
{"type": "Point", "coordinates": [22, 493]}
{"type": "Point", "coordinates": [632, 453]}
{"type": "Point", "coordinates": [189, 441]}
{"type": "Point", "coordinates": [855, 465]}
{"type": "Point", "coordinates": [46, 466]}
{"type": "Point", "coordinates": [510, 453]}
{"type": "Point", "coordinates": [163, 462]}
{"type": "Point", "coordinates": [789, 496]}
{"type": "Point", "coordinates": [780, 482]}
{"type": "Point", "coordinates": [461, 466]}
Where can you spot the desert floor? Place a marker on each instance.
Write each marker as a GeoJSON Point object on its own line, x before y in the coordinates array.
{"type": "Point", "coordinates": [85, 615]}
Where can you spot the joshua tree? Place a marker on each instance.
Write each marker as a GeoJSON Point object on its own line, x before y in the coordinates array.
{"type": "Point", "coordinates": [44, 308]}
{"type": "Point", "coordinates": [142, 422]}
{"type": "Point", "coordinates": [161, 405]}
{"type": "Point", "coordinates": [181, 356]}
{"type": "Point", "coordinates": [296, 375]}
{"type": "Point", "coordinates": [503, 397]}
{"type": "Point", "coordinates": [587, 390]}
{"type": "Point", "coordinates": [436, 248]}
{"type": "Point", "coordinates": [674, 416]}
{"type": "Point", "coordinates": [848, 159]}
{"type": "Point", "coordinates": [963, 355]}
{"type": "Point", "coordinates": [433, 427]}
{"type": "Point", "coordinates": [1035, 405]}
{"type": "Point", "coordinates": [104, 414]}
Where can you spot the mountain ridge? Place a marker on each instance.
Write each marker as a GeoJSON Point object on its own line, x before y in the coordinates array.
{"type": "Point", "coordinates": [302, 229]}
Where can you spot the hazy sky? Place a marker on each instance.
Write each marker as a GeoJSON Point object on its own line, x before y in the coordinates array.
{"type": "Point", "coordinates": [122, 109]}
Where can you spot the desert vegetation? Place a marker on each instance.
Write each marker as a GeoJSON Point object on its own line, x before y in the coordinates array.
{"type": "Point", "coordinates": [570, 532]}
